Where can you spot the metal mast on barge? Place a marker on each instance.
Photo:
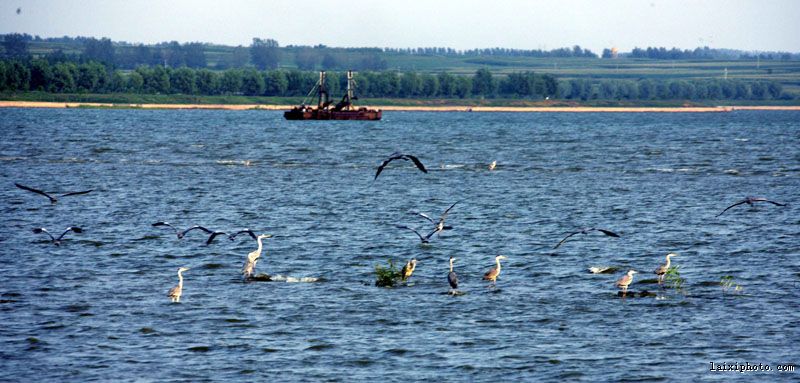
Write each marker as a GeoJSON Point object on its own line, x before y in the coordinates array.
{"type": "Point", "coordinates": [343, 110]}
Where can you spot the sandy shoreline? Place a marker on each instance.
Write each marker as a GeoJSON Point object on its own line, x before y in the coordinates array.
{"type": "Point", "coordinates": [39, 104]}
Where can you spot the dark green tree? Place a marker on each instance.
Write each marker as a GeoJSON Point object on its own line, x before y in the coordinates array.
{"type": "Point", "coordinates": [99, 50]}
{"type": "Point", "coordinates": [463, 86]}
{"type": "Point", "coordinates": [447, 84]}
{"type": "Point", "coordinates": [207, 82]}
{"type": "Point", "coordinates": [40, 74]}
{"type": "Point", "coordinates": [194, 55]}
{"type": "Point", "coordinates": [430, 85]}
{"type": "Point", "coordinates": [63, 80]}
{"type": "Point", "coordinates": [252, 82]}
{"type": "Point", "coordinates": [410, 85]}
{"type": "Point", "coordinates": [231, 81]}
{"type": "Point", "coordinates": [276, 83]}
{"type": "Point", "coordinates": [265, 53]}
{"type": "Point", "coordinates": [182, 80]}
{"type": "Point", "coordinates": [15, 45]}
{"type": "Point", "coordinates": [135, 83]}
{"type": "Point", "coordinates": [483, 84]}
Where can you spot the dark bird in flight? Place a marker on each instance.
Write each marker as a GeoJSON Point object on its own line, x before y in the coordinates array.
{"type": "Point", "coordinates": [57, 241]}
{"type": "Point", "coordinates": [214, 235]}
{"type": "Point", "coordinates": [52, 199]}
{"type": "Point", "coordinates": [19, 10]}
{"type": "Point", "coordinates": [181, 234]}
{"type": "Point", "coordinates": [750, 201]}
{"type": "Point", "coordinates": [245, 231]}
{"type": "Point", "coordinates": [586, 231]}
{"type": "Point", "coordinates": [400, 156]}
{"type": "Point", "coordinates": [439, 226]}
{"type": "Point", "coordinates": [423, 239]}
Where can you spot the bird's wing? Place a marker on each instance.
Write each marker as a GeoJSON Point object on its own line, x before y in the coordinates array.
{"type": "Point", "coordinates": [565, 238]}
{"type": "Point", "coordinates": [447, 211]}
{"type": "Point", "coordinates": [43, 230]}
{"type": "Point", "coordinates": [248, 231]}
{"type": "Point", "coordinates": [71, 228]}
{"type": "Point", "coordinates": [196, 227]}
{"type": "Point", "coordinates": [736, 204]}
{"type": "Point", "coordinates": [173, 291]}
{"type": "Point", "coordinates": [162, 223]}
{"type": "Point", "coordinates": [214, 235]}
{"type": "Point", "coordinates": [775, 203]}
{"type": "Point", "coordinates": [608, 233]}
{"type": "Point", "coordinates": [423, 215]}
{"type": "Point", "coordinates": [383, 165]}
{"type": "Point", "coordinates": [421, 238]}
{"type": "Point", "coordinates": [77, 192]}
{"type": "Point", "coordinates": [37, 191]}
{"type": "Point", "coordinates": [417, 162]}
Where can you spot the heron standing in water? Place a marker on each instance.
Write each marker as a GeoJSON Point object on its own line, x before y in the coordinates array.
{"type": "Point", "coordinates": [452, 279]}
{"type": "Point", "coordinates": [625, 281]}
{"type": "Point", "coordinates": [175, 292]}
{"type": "Point", "coordinates": [492, 274]}
{"type": "Point", "coordinates": [408, 269]}
{"type": "Point", "coordinates": [252, 258]}
{"type": "Point", "coordinates": [661, 271]}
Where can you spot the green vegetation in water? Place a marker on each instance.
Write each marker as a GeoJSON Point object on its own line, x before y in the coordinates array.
{"type": "Point", "coordinates": [387, 276]}
{"type": "Point", "coordinates": [674, 280]}
{"type": "Point", "coordinates": [729, 285]}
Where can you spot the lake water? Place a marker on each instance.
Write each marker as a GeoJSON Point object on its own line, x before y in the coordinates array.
{"type": "Point", "coordinates": [95, 308]}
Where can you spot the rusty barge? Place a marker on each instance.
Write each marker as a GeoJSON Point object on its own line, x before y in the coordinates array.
{"type": "Point", "coordinates": [325, 110]}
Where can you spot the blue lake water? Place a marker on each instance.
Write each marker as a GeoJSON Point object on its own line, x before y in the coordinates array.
{"type": "Point", "coordinates": [95, 308]}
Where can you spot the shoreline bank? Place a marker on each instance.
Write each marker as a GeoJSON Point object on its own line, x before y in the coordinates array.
{"type": "Point", "coordinates": [570, 109]}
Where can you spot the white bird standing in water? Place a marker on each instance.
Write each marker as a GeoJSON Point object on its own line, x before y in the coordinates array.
{"type": "Point", "coordinates": [250, 264]}
{"type": "Point", "coordinates": [625, 281]}
{"type": "Point", "coordinates": [661, 271]}
{"type": "Point", "coordinates": [492, 274]}
{"type": "Point", "coordinates": [175, 292]}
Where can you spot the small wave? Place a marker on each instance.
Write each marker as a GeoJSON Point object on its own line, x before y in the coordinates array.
{"type": "Point", "coordinates": [741, 139]}
{"type": "Point", "coordinates": [13, 158]}
{"type": "Point", "coordinates": [734, 172]}
{"type": "Point", "coordinates": [289, 279]}
{"type": "Point", "coordinates": [235, 162]}
{"type": "Point", "coordinates": [451, 166]}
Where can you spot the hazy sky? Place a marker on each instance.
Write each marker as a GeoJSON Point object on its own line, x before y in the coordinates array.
{"type": "Point", "coordinates": [460, 24]}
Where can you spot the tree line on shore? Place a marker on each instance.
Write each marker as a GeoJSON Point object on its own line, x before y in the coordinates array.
{"type": "Point", "coordinates": [266, 54]}
{"type": "Point", "coordinates": [92, 77]}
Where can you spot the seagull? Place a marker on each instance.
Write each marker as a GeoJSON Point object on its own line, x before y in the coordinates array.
{"type": "Point", "coordinates": [400, 156]}
{"type": "Point", "coordinates": [586, 231]}
{"type": "Point", "coordinates": [438, 226]}
{"type": "Point", "coordinates": [57, 241]}
{"type": "Point", "coordinates": [423, 239]}
{"type": "Point", "coordinates": [750, 201]}
{"type": "Point", "coordinates": [52, 199]}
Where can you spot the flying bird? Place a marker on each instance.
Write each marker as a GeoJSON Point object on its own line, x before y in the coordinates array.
{"type": "Point", "coordinates": [587, 231]}
{"type": "Point", "coordinates": [423, 239]}
{"type": "Point", "coordinates": [214, 235]}
{"type": "Point", "coordinates": [625, 281]}
{"type": "Point", "coordinates": [750, 201]}
{"type": "Point", "coordinates": [244, 231]}
{"type": "Point", "coordinates": [175, 292]}
{"type": "Point", "coordinates": [400, 156]}
{"type": "Point", "coordinates": [492, 274]}
{"type": "Point", "coordinates": [452, 279]}
{"type": "Point", "coordinates": [661, 271]}
{"type": "Point", "coordinates": [439, 225]}
{"type": "Point", "coordinates": [52, 199]}
{"type": "Point", "coordinates": [57, 241]}
{"type": "Point", "coordinates": [408, 269]}
{"type": "Point", "coordinates": [181, 234]}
